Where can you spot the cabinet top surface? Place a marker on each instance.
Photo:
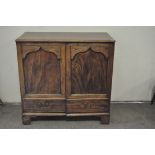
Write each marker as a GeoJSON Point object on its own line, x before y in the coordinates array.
{"type": "Point", "coordinates": [65, 37]}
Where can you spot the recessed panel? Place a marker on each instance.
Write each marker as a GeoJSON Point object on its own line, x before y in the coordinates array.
{"type": "Point", "coordinates": [89, 73]}
{"type": "Point", "coordinates": [42, 73]}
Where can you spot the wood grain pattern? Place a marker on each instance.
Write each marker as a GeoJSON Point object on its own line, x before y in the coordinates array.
{"type": "Point", "coordinates": [89, 73]}
{"type": "Point", "coordinates": [65, 37]}
{"type": "Point", "coordinates": [42, 73]}
{"type": "Point", "coordinates": [30, 114]}
{"type": "Point", "coordinates": [65, 74]}
{"type": "Point", "coordinates": [98, 48]}
{"type": "Point", "coordinates": [86, 114]}
{"type": "Point", "coordinates": [27, 48]}
{"type": "Point", "coordinates": [87, 106]}
{"type": "Point", "coordinates": [36, 47]}
{"type": "Point", "coordinates": [44, 106]}
{"type": "Point", "coordinates": [26, 120]}
{"type": "Point", "coordinates": [105, 119]}
{"type": "Point", "coordinates": [20, 70]}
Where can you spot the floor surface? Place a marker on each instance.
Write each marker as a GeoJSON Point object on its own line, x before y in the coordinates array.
{"type": "Point", "coordinates": [123, 116]}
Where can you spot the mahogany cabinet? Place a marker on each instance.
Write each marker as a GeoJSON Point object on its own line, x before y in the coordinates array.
{"type": "Point", "coordinates": [65, 74]}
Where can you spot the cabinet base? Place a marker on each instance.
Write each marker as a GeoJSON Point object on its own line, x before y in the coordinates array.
{"type": "Point", "coordinates": [26, 120]}
{"type": "Point", "coordinates": [153, 99]}
{"type": "Point", "coordinates": [104, 119]}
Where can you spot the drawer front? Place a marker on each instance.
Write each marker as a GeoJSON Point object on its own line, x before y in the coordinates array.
{"type": "Point", "coordinates": [44, 106]}
{"type": "Point", "coordinates": [88, 106]}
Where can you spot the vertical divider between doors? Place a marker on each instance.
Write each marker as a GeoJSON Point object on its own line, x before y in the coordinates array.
{"type": "Point", "coordinates": [68, 74]}
{"type": "Point", "coordinates": [65, 78]}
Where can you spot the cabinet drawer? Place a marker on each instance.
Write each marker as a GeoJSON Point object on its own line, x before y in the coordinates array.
{"type": "Point", "coordinates": [44, 106]}
{"type": "Point", "coordinates": [88, 106]}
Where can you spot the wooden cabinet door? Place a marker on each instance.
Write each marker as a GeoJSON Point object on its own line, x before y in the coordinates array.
{"type": "Point", "coordinates": [89, 70]}
{"type": "Point", "coordinates": [42, 70]}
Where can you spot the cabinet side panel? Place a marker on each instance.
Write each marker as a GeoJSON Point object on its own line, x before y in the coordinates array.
{"type": "Point", "coordinates": [110, 68]}
{"type": "Point", "coordinates": [20, 69]}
